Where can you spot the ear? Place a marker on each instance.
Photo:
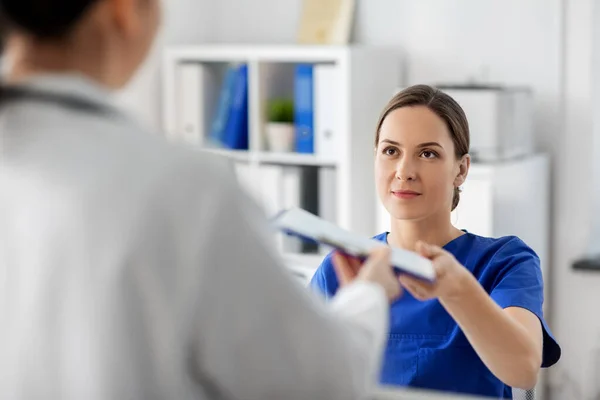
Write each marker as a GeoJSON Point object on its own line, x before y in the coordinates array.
{"type": "Point", "coordinates": [463, 170]}
{"type": "Point", "coordinates": [124, 13]}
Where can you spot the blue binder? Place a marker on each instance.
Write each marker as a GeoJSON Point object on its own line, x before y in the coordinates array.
{"type": "Point", "coordinates": [303, 111]}
{"type": "Point", "coordinates": [236, 130]}
{"type": "Point", "coordinates": [217, 129]}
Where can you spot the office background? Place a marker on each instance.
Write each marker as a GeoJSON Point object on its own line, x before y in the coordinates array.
{"type": "Point", "coordinates": [550, 45]}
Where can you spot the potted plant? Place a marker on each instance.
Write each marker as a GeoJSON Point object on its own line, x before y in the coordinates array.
{"type": "Point", "coordinates": [280, 132]}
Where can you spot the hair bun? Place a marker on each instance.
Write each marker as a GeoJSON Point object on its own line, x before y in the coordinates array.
{"type": "Point", "coordinates": [43, 18]}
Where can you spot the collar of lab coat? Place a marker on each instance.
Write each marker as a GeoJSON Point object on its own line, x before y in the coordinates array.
{"type": "Point", "coordinates": [73, 84]}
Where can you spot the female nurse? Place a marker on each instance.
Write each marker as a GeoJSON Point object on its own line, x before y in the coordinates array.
{"type": "Point", "coordinates": [480, 328]}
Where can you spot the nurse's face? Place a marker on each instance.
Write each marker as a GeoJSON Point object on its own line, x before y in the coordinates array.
{"type": "Point", "coordinates": [415, 164]}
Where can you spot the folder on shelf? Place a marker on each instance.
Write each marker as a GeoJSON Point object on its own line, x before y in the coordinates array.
{"type": "Point", "coordinates": [303, 108]}
{"type": "Point", "coordinates": [327, 194]}
{"type": "Point", "coordinates": [219, 122]}
{"type": "Point", "coordinates": [325, 110]}
{"type": "Point", "coordinates": [236, 129]}
{"type": "Point", "coordinates": [299, 189]}
{"type": "Point", "coordinates": [192, 83]}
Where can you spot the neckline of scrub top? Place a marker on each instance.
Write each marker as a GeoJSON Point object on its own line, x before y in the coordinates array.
{"type": "Point", "coordinates": [450, 246]}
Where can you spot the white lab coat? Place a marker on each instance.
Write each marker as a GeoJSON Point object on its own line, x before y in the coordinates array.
{"type": "Point", "coordinates": [132, 269]}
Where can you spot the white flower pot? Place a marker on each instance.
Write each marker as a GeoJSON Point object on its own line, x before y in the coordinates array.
{"type": "Point", "coordinates": [281, 137]}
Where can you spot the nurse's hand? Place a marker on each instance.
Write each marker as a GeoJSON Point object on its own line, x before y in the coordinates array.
{"type": "Point", "coordinates": [377, 269]}
{"type": "Point", "coordinates": [450, 275]}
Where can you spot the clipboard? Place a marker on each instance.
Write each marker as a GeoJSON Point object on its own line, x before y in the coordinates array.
{"type": "Point", "coordinates": [301, 223]}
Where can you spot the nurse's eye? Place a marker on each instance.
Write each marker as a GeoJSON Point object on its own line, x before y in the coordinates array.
{"type": "Point", "coordinates": [390, 151]}
{"type": "Point", "coordinates": [429, 154]}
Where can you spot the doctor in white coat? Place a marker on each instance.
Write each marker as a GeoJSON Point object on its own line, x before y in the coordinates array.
{"type": "Point", "coordinates": [131, 269]}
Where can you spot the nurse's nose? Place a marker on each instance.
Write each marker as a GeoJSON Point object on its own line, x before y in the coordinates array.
{"type": "Point", "coordinates": [405, 170]}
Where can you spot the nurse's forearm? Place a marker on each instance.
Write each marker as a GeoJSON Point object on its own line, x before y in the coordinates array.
{"type": "Point", "coordinates": [503, 344]}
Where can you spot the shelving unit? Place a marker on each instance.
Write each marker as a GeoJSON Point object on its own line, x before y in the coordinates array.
{"type": "Point", "coordinates": [366, 78]}
{"type": "Point", "coordinates": [265, 157]}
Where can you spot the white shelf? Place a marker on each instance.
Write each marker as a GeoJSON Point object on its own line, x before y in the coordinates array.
{"type": "Point", "coordinates": [235, 155]}
{"type": "Point", "coordinates": [268, 53]}
{"type": "Point", "coordinates": [294, 159]}
{"type": "Point", "coordinates": [275, 158]}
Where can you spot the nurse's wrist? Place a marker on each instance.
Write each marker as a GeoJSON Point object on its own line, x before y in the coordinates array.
{"type": "Point", "coordinates": [463, 288]}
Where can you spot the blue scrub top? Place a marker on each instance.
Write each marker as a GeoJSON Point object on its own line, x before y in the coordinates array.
{"type": "Point", "coordinates": [426, 349]}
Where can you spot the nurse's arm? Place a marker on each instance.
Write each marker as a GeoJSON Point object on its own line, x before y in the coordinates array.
{"type": "Point", "coordinates": [509, 341]}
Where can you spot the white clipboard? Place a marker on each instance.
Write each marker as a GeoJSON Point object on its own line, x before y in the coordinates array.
{"type": "Point", "coordinates": [307, 226]}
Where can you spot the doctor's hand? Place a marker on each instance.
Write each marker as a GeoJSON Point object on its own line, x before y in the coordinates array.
{"type": "Point", "coordinates": [376, 269]}
{"type": "Point", "coordinates": [451, 276]}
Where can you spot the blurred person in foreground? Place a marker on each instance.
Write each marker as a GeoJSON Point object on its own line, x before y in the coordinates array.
{"type": "Point", "coordinates": [132, 269]}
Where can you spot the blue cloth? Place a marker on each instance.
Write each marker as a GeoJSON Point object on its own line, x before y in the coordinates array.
{"type": "Point", "coordinates": [426, 349]}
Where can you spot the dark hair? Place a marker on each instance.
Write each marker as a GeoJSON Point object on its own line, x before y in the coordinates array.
{"type": "Point", "coordinates": [44, 19]}
{"type": "Point", "coordinates": [444, 107]}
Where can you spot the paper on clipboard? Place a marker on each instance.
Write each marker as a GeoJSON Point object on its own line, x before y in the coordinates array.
{"type": "Point", "coordinates": [299, 222]}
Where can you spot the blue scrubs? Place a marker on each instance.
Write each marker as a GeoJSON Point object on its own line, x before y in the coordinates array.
{"type": "Point", "coordinates": [426, 349]}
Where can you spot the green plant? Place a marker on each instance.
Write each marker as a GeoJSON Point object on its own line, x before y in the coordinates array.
{"type": "Point", "coordinates": [281, 110]}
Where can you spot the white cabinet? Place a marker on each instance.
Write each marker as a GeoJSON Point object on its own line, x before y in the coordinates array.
{"type": "Point", "coordinates": [510, 198]}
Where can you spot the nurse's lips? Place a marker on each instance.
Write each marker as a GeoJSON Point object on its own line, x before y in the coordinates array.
{"type": "Point", "coordinates": [405, 194]}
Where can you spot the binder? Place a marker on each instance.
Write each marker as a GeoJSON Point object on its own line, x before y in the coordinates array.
{"type": "Point", "coordinates": [325, 103]}
{"type": "Point", "coordinates": [236, 129]}
{"type": "Point", "coordinates": [191, 109]}
{"type": "Point", "coordinates": [219, 122]}
{"type": "Point", "coordinates": [303, 112]}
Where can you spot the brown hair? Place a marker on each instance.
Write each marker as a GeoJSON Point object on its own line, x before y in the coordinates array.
{"type": "Point", "coordinates": [444, 107]}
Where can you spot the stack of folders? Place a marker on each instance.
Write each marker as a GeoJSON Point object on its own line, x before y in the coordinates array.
{"type": "Point", "coordinates": [283, 187]}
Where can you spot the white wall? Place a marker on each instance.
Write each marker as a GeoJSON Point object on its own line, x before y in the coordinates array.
{"type": "Point", "coordinates": [576, 295]}
{"type": "Point", "coordinates": [514, 40]}
{"type": "Point", "coordinates": [184, 21]}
